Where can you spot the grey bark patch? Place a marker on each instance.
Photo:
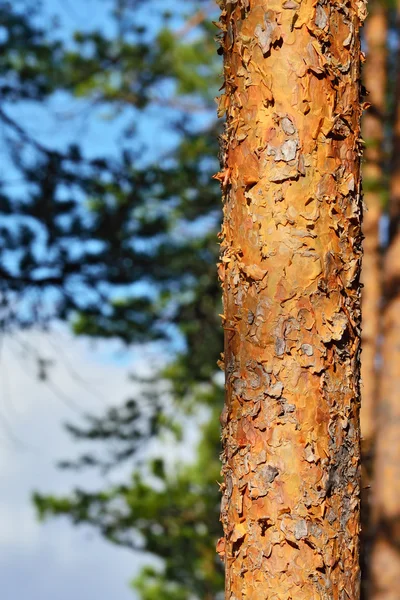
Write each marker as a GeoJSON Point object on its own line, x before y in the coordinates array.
{"type": "Point", "coordinates": [275, 390]}
{"type": "Point", "coordinates": [307, 349]}
{"type": "Point", "coordinates": [239, 386]}
{"type": "Point", "coordinates": [331, 516]}
{"type": "Point", "coordinates": [301, 530]}
{"type": "Point", "coordinates": [260, 483]}
{"type": "Point", "coordinates": [288, 126]}
{"type": "Point", "coordinates": [268, 34]}
{"type": "Point", "coordinates": [321, 18]}
{"type": "Point", "coordinates": [270, 473]}
{"type": "Point", "coordinates": [264, 38]}
{"type": "Point", "coordinates": [346, 512]}
{"type": "Point", "coordinates": [254, 380]}
{"type": "Point", "coordinates": [287, 151]}
{"type": "Point", "coordinates": [280, 346]}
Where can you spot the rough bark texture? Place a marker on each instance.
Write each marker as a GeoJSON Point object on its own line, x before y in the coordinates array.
{"type": "Point", "coordinates": [375, 73]}
{"type": "Point", "coordinates": [385, 565]}
{"type": "Point", "coordinates": [290, 267]}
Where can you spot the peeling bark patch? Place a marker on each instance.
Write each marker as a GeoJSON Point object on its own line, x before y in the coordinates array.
{"type": "Point", "coordinates": [301, 530]}
{"type": "Point", "coordinates": [267, 33]}
{"type": "Point", "coordinates": [288, 126]}
{"type": "Point", "coordinates": [321, 17]}
{"type": "Point", "coordinates": [270, 473]}
{"type": "Point", "coordinates": [291, 252]}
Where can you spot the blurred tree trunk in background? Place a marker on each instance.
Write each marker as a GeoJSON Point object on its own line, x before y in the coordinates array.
{"type": "Point", "coordinates": [290, 266]}
{"type": "Point", "coordinates": [375, 77]}
{"type": "Point", "coordinates": [374, 184]}
{"type": "Point", "coordinates": [385, 565]}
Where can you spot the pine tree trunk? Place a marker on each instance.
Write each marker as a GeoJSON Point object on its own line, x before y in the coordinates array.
{"type": "Point", "coordinates": [375, 78]}
{"type": "Point", "coordinates": [385, 564]}
{"type": "Point", "coordinates": [375, 74]}
{"type": "Point", "coordinates": [290, 266]}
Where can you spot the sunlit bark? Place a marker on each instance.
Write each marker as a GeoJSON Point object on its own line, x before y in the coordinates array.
{"type": "Point", "coordinates": [290, 267]}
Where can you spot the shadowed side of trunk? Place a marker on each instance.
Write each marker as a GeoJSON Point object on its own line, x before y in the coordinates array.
{"type": "Point", "coordinates": [290, 267]}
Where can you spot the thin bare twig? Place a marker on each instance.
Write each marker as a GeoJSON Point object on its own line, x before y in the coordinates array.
{"type": "Point", "coordinates": [200, 16]}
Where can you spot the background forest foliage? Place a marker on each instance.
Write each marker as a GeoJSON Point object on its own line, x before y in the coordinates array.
{"type": "Point", "coordinates": [124, 245]}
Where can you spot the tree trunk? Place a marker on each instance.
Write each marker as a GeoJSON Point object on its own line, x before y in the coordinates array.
{"type": "Point", "coordinates": [290, 266]}
{"type": "Point", "coordinates": [385, 565]}
{"type": "Point", "coordinates": [375, 78]}
{"type": "Point", "coordinates": [375, 74]}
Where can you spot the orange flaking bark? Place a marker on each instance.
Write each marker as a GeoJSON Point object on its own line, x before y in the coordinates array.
{"type": "Point", "coordinates": [290, 267]}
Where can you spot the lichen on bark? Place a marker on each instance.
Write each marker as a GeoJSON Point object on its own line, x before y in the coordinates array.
{"type": "Point", "coordinates": [290, 269]}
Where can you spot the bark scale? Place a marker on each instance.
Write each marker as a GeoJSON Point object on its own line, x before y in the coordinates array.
{"type": "Point", "coordinates": [375, 77]}
{"type": "Point", "coordinates": [385, 563]}
{"type": "Point", "coordinates": [290, 267]}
